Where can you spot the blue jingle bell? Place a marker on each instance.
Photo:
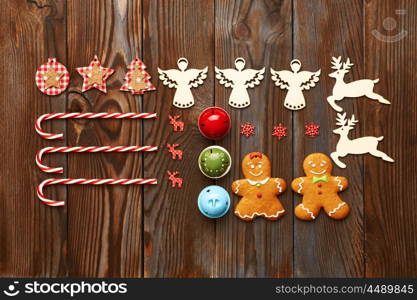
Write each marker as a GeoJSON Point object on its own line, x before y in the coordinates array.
{"type": "Point", "coordinates": [213, 201]}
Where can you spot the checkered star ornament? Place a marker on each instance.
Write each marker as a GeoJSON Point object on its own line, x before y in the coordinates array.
{"type": "Point", "coordinates": [52, 78]}
{"type": "Point", "coordinates": [137, 80]}
{"type": "Point", "coordinates": [95, 76]}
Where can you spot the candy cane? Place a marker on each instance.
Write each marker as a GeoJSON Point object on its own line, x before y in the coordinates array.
{"type": "Point", "coordinates": [51, 181]}
{"type": "Point", "coordinates": [92, 149]}
{"type": "Point", "coordinates": [89, 115]}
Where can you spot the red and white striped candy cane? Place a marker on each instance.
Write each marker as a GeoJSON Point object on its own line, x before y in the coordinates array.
{"type": "Point", "coordinates": [51, 181]}
{"type": "Point", "coordinates": [91, 149]}
{"type": "Point", "coordinates": [88, 115]}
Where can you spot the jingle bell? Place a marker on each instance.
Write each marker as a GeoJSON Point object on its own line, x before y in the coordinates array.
{"type": "Point", "coordinates": [213, 201]}
{"type": "Point", "coordinates": [214, 123]}
{"type": "Point", "coordinates": [214, 162]}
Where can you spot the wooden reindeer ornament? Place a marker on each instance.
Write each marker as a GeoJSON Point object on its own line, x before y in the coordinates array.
{"type": "Point", "coordinates": [295, 82]}
{"type": "Point", "coordinates": [183, 80]}
{"type": "Point", "coordinates": [354, 89]}
{"type": "Point", "coordinates": [239, 80]}
{"type": "Point", "coordinates": [362, 145]}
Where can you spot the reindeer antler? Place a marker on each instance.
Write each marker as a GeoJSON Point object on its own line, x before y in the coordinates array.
{"type": "Point", "coordinates": [347, 64]}
{"type": "Point", "coordinates": [341, 119]}
{"type": "Point", "coordinates": [352, 121]}
{"type": "Point", "coordinates": [336, 63]}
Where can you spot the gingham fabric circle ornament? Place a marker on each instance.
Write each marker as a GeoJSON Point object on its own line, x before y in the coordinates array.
{"type": "Point", "coordinates": [95, 76]}
{"type": "Point", "coordinates": [137, 80]}
{"type": "Point", "coordinates": [52, 77]}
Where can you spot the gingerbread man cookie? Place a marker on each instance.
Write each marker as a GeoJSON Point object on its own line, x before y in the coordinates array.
{"type": "Point", "coordinates": [258, 190]}
{"type": "Point", "coordinates": [320, 189]}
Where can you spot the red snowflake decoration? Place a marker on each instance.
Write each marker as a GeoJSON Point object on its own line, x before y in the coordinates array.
{"type": "Point", "coordinates": [280, 131]}
{"type": "Point", "coordinates": [312, 129]}
{"type": "Point", "coordinates": [247, 129]}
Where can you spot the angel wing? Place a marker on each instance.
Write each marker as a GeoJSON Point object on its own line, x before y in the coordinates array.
{"type": "Point", "coordinates": [282, 78]}
{"type": "Point", "coordinates": [308, 79]}
{"type": "Point", "coordinates": [169, 77]}
{"type": "Point", "coordinates": [253, 77]}
{"type": "Point", "coordinates": [226, 76]}
{"type": "Point", "coordinates": [196, 76]}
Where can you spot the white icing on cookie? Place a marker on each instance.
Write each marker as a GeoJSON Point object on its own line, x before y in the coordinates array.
{"type": "Point", "coordinates": [260, 214]}
{"type": "Point", "coordinates": [337, 208]}
{"type": "Point", "coordinates": [300, 185]}
{"type": "Point", "coordinates": [308, 211]}
{"type": "Point", "coordinates": [253, 182]}
{"type": "Point", "coordinates": [339, 183]}
{"type": "Point", "coordinates": [279, 187]}
{"type": "Point", "coordinates": [237, 187]}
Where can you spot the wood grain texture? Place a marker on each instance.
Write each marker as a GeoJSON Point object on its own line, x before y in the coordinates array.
{"type": "Point", "coordinates": [390, 189]}
{"type": "Point", "coordinates": [179, 241]}
{"type": "Point", "coordinates": [157, 231]}
{"type": "Point", "coordinates": [260, 32]}
{"type": "Point", "coordinates": [322, 29]}
{"type": "Point", "coordinates": [105, 221]}
{"type": "Point", "coordinates": [32, 236]}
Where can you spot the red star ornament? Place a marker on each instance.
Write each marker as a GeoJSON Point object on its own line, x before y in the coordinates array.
{"type": "Point", "coordinates": [95, 76]}
{"type": "Point", "coordinates": [137, 80]}
{"type": "Point", "coordinates": [280, 131]}
{"type": "Point", "coordinates": [312, 130]}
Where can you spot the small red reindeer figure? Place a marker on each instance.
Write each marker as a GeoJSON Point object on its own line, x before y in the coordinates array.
{"type": "Point", "coordinates": [175, 180]}
{"type": "Point", "coordinates": [178, 125]}
{"type": "Point", "coordinates": [175, 153]}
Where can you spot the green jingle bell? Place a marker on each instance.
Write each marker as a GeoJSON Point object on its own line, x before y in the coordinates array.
{"type": "Point", "coordinates": [214, 162]}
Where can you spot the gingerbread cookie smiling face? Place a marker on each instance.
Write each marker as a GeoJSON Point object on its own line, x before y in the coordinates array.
{"type": "Point", "coordinates": [258, 190]}
{"type": "Point", "coordinates": [317, 165]}
{"type": "Point", "coordinates": [320, 189]}
{"type": "Point", "coordinates": [256, 166]}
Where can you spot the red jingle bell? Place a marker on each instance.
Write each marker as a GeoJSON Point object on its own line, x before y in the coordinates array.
{"type": "Point", "coordinates": [214, 123]}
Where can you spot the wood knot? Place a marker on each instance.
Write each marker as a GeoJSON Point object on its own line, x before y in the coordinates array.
{"type": "Point", "coordinates": [241, 31]}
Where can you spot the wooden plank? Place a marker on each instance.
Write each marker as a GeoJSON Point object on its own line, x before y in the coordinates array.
{"type": "Point", "coordinates": [179, 241]}
{"type": "Point", "coordinates": [322, 29]}
{"type": "Point", "coordinates": [390, 206]}
{"type": "Point", "coordinates": [32, 236]}
{"type": "Point", "coordinates": [260, 32]}
{"type": "Point", "coordinates": [105, 222]}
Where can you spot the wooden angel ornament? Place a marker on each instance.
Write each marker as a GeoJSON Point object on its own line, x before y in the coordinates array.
{"type": "Point", "coordinates": [295, 82]}
{"type": "Point", "coordinates": [362, 145]}
{"type": "Point", "coordinates": [239, 80]}
{"type": "Point", "coordinates": [354, 89]}
{"type": "Point", "coordinates": [183, 80]}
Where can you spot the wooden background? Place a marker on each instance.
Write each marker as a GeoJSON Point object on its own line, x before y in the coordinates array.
{"type": "Point", "coordinates": [158, 231]}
